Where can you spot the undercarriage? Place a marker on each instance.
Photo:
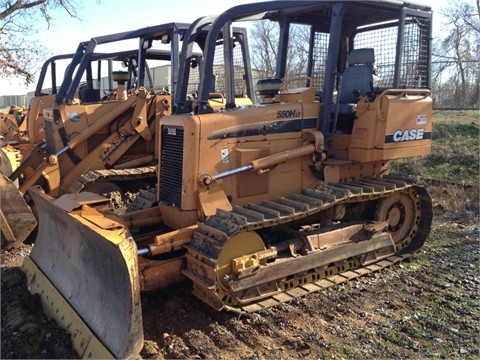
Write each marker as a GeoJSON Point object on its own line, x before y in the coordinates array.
{"type": "Point", "coordinates": [258, 256]}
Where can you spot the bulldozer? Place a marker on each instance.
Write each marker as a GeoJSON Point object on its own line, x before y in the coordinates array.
{"type": "Point", "coordinates": [15, 142]}
{"type": "Point", "coordinates": [23, 144]}
{"type": "Point", "coordinates": [80, 140]}
{"type": "Point", "coordinates": [20, 132]}
{"type": "Point", "coordinates": [260, 204]}
{"type": "Point", "coordinates": [27, 129]}
{"type": "Point", "coordinates": [12, 122]}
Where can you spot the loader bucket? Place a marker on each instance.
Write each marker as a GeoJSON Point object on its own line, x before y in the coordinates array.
{"type": "Point", "coordinates": [16, 218]}
{"type": "Point", "coordinates": [92, 263]}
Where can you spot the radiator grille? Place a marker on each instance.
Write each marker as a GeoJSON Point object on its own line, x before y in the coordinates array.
{"type": "Point", "coordinates": [171, 170]}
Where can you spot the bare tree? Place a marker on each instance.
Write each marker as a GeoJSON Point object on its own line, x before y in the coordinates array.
{"type": "Point", "coordinates": [297, 59]}
{"type": "Point", "coordinates": [264, 42]}
{"type": "Point", "coordinates": [19, 56]}
{"type": "Point", "coordinates": [461, 48]}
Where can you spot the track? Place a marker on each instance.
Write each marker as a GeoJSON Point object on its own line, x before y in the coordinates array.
{"type": "Point", "coordinates": [111, 175]}
{"type": "Point", "coordinates": [211, 251]}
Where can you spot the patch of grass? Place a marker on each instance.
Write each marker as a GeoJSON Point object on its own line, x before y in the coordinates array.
{"type": "Point", "coordinates": [384, 343]}
{"type": "Point", "coordinates": [412, 330]}
{"type": "Point", "coordinates": [459, 117]}
{"type": "Point", "coordinates": [443, 236]}
{"type": "Point", "coordinates": [390, 336]}
{"type": "Point", "coordinates": [452, 295]}
{"type": "Point", "coordinates": [347, 352]}
{"type": "Point", "coordinates": [461, 205]}
{"type": "Point", "coordinates": [427, 344]}
{"type": "Point", "coordinates": [446, 130]}
{"type": "Point", "coordinates": [411, 266]}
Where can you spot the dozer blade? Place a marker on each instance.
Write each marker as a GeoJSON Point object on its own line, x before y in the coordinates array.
{"type": "Point", "coordinates": [92, 264]}
{"type": "Point", "coordinates": [16, 218]}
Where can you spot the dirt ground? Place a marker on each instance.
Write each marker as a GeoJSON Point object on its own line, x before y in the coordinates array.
{"type": "Point", "coordinates": [426, 308]}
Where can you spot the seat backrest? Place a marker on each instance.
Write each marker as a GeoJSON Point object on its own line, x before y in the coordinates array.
{"type": "Point", "coordinates": [358, 77]}
{"type": "Point", "coordinates": [88, 94]}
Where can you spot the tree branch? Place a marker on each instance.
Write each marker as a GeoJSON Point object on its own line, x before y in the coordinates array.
{"type": "Point", "coordinates": [19, 4]}
{"type": "Point", "coordinates": [471, 24]}
{"type": "Point", "coordinates": [28, 76]}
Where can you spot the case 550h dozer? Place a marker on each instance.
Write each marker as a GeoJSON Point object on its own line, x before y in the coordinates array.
{"type": "Point", "coordinates": [260, 204]}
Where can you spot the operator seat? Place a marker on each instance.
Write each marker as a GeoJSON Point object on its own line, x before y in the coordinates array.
{"type": "Point", "coordinates": [88, 94]}
{"type": "Point", "coordinates": [356, 81]}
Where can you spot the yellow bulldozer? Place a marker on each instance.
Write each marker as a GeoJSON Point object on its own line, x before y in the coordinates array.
{"type": "Point", "coordinates": [76, 130]}
{"type": "Point", "coordinates": [20, 131]}
{"type": "Point", "coordinates": [23, 148]}
{"type": "Point", "coordinates": [80, 139]}
{"type": "Point", "coordinates": [12, 122]}
{"type": "Point", "coordinates": [20, 127]}
{"type": "Point", "coordinates": [258, 204]}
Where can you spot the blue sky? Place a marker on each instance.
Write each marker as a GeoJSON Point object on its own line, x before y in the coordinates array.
{"type": "Point", "coordinates": [112, 16]}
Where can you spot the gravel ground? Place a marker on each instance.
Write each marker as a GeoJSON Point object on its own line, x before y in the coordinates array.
{"type": "Point", "coordinates": [426, 308]}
